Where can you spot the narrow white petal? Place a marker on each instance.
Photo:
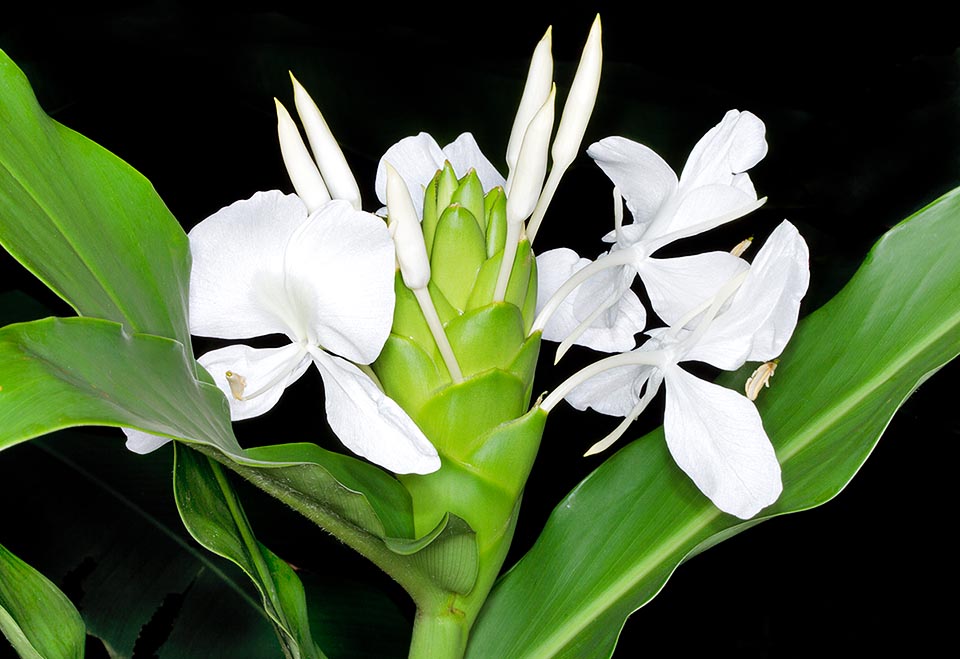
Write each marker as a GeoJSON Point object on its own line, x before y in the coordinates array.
{"type": "Point", "coordinates": [417, 159]}
{"type": "Point", "coordinates": [371, 424]}
{"type": "Point", "coordinates": [645, 180]}
{"type": "Point", "coordinates": [535, 92]}
{"type": "Point", "coordinates": [333, 166]}
{"type": "Point", "coordinates": [301, 168]}
{"type": "Point", "coordinates": [236, 282]}
{"type": "Point", "coordinates": [763, 313]}
{"type": "Point", "coordinates": [716, 437]}
{"type": "Point", "coordinates": [143, 442]}
{"type": "Point", "coordinates": [678, 285]}
{"type": "Point", "coordinates": [339, 278]}
{"type": "Point", "coordinates": [731, 147]}
{"type": "Point", "coordinates": [259, 375]}
{"type": "Point", "coordinates": [464, 154]}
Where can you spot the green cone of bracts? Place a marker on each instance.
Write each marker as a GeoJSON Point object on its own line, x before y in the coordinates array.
{"type": "Point", "coordinates": [480, 425]}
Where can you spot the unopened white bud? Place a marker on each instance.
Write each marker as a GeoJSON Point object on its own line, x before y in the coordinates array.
{"type": "Point", "coordinates": [535, 92]}
{"type": "Point", "coordinates": [532, 163]}
{"type": "Point", "coordinates": [580, 100]}
{"type": "Point", "coordinates": [302, 170]}
{"type": "Point", "coordinates": [407, 235]}
{"type": "Point", "coordinates": [333, 166]}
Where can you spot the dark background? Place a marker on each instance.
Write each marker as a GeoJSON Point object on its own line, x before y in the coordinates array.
{"type": "Point", "coordinates": [863, 125]}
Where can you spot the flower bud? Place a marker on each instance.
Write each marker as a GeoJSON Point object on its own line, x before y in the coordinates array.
{"type": "Point", "coordinates": [411, 252]}
{"type": "Point", "coordinates": [535, 92]}
{"type": "Point", "coordinates": [302, 170]}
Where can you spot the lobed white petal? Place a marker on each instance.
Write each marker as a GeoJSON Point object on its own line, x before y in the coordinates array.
{"type": "Point", "coordinates": [644, 179]}
{"type": "Point", "coordinates": [716, 437]}
{"type": "Point", "coordinates": [371, 424]}
{"type": "Point", "coordinates": [678, 285]}
{"type": "Point", "coordinates": [416, 159]}
{"type": "Point", "coordinates": [265, 372]}
{"type": "Point", "coordinates": [612, 331]}
{"type": "Point", "coordinates": [763, 313]}
{"type": "Point", "coordinates": [237, 278]}
{"type": "Point", "coordinates": [731, 147]}
{"type": "Point", "coordinates": [464, 154]}
{"type": "Point", "coordinates": [340, 270]}
{"type": "Point", "coordinates": [143, 442]}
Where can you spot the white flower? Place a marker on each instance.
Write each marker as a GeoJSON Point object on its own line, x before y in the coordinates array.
{"type": "Point", "coordinates": [325, 280]}
{"type": "Point", "coordinates": [714, 188]}
{"type": "Point", "coordinates": [417, 159]}
{"type": "Point", "coordinates": [714, 434]}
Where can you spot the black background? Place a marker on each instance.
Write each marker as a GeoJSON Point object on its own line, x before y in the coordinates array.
{"type": "Point", "coordinates": [863, 121]}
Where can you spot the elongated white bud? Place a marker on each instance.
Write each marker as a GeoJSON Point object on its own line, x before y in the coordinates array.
{"type": "Point", "coordinates": [302, 170]}
{"type": "Point", "coordinates": [535, 92]}
{"type": "Point", "coordinates": [333, 166]}
{"type": "Point", "coordinates": [407, 236]}
{"type": "Point", "coordinates": [532, 163]}
{"type": "Point", "coordinates": [573, 121]}
{"type": "Point", "coordinates": [580, 100]}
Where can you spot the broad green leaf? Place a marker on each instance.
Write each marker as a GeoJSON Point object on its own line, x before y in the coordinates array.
{"type": "Point", "coordinates": [610, 546]}
{"type": "Point", "coordinates": [86, 223]}
{"type": "Point", "coordinates": [37, 619]}
{"type": "Point", "coordinates": [57, 373]}
{"type": "Point", "coordinates": [214, 517]}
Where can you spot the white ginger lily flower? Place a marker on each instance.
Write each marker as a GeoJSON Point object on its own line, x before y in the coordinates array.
{"type": "Point", "coordinates": [325, 280]}
{"type": "Point", "coordinates": [714, 434]}
{"type": "Point", "coordinates": [418, 157]}
{"type": "Point", "coordinates": [713, 189]}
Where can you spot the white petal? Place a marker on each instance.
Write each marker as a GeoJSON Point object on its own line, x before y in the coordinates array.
{"type": "Point", "coordinates": [700, 210]}
{"type": "Point", "coordinates": [763, 313]}
{"type": "Point", "coordinates": [716, 437]}
{"type": "Point", "coordinates": [143, 442]}
{"type": "Point", "coordinates": [677, 286]}
{"type": "Point", "coordinates": [645, 180]}
{"type": "Point", "coordinates": [340, 271]}
{"type": "Point", "coordinates": [614, 392]}
{"type": "Point", "coordinates": [260, 375]}
{"type": "Point", "coordinates": [731, 147]}
{"type": "Point", "coordinates": [371, 424]}
{"type": "Point", "coordinates": [464, 154]}
{"type": "Point", "coordinates": [614, 330]}
{"type": "Point", "coordinates": [417, 159]}
{"type": "Point", "coordinates": [236, 282]}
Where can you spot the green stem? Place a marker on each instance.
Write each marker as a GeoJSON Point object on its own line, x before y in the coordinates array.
{"type": "Point", "coordinates": [440, 631]}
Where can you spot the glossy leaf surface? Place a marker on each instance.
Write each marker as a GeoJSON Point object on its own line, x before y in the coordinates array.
{"type": "Point", "coordinates": [38, 620]}
{"type": "Point", "coordinates": [87, 224]}
{"type": "Point", "coordinates": [613, 542]}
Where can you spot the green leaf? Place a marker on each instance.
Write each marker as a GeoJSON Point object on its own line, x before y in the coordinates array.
{"type": "Point", "coordinates": [610, 546]}
{"type": "Point", "coordinates": [86, 223]}
{"type": "Point", "coordinates": [212, 513]}
{"type": "Point", "coordinates": [37, 619]}
{"type": "Point", "coordinates": [57, 373]}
